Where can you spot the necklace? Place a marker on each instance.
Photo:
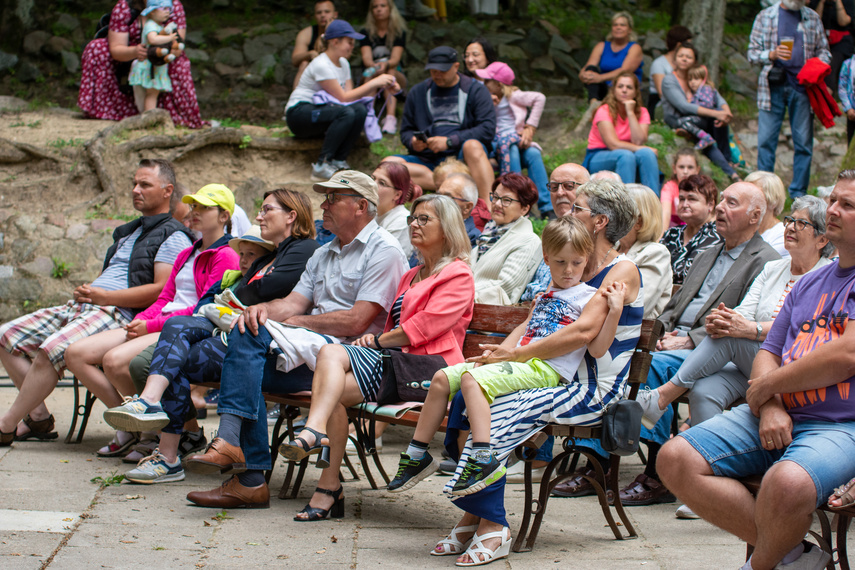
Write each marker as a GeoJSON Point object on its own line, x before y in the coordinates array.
{"type": "Point", "coordinates": [597, 268]}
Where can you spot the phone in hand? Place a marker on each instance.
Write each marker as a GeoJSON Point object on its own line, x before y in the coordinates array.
{"type": "Point", "coordinates": [420, 136]}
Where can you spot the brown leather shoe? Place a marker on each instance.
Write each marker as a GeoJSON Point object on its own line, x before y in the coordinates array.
{"type": "Point", "coordinates": [577, 486]}
{"type": "Point", "coordinates": [219, 457]}
{"type": "Point", "coordinates": [232, 495]}
{"type": "Point", "coordinates": [645, 491]}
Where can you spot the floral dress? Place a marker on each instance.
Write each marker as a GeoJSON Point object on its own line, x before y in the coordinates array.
{"type": "Point", "coordinates": [100, 96]}
{"type": "Point", "coordinates": [682, 255]}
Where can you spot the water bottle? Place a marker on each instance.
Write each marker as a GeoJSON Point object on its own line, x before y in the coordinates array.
{"type": "Point", "coordinates": [369, 72]}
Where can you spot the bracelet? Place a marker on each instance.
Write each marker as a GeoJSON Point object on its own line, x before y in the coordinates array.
{"type": "Point", "coordinates": [377, 340]}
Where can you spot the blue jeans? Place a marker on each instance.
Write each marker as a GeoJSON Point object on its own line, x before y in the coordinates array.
{"type": "Point", "coordinates": [532, 160]}
{"type": "Point", "coordinates": [626, 162]}
{"type": "Point", "coordinates": [731, 445]}
{"type": "Point", "coordinates": [249, 370]}
{"type": "Point", "coordinates": [785, 98]}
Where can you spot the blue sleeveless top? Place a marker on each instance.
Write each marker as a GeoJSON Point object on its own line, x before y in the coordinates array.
{"type": "Point", "coordinates": [611, 60]}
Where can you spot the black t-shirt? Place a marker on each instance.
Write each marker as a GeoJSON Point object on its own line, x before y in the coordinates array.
{"type": "Point", "coordinates": [829, 14]}
{"type": "Point", "coordinates": [379, 51]}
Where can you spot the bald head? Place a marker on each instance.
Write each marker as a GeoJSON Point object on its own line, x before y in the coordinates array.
{"type": "Point", "coordinates": [569, 176]}
{"type": "Point", "coordinates": [462, 189]}
{"type": "Point", "coordinates": [738, 214]}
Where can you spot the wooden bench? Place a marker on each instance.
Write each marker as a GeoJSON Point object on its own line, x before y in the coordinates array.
{"type": "Point", "coordinates": [651, 331]}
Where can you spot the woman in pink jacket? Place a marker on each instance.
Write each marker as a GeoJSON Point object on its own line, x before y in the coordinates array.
{"type": "Point", "coordinates": [517, 118]}
{"type": "Point", "coordinates": [195, 270]}
{"type": "Point", "coordinates": [432, 308]}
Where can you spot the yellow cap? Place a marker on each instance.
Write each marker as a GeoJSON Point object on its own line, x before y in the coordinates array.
{"type": "Point", "coordinates": [213, 195]}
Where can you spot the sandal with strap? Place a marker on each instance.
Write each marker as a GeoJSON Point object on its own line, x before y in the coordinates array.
{"type": "Point", "coordinates": [846, 493]}
{"type": "Point", "coordinates": [298, 449]}
{"type": "Point", "coordinates": [6, 438]}
{"type": "Point", "coordinates": [453, 545]}
{"type": "Point", "coordinates": [336, 511]}
{"type": "Point", "coordinates": [477, 548]}
{"type": "Point", "coordinates": [41, 430]}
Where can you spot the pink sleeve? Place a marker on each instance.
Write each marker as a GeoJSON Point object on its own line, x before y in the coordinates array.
{"type": "Point", "coordinates": [645, 117]}
{"type": "Point", "coordinates": [595, 139]}
{"type": "Point", "coordinates": [669, 191]}
{"type": "Point", "coordinates": [535, 101]}
{"type": "Point", "coordinates": [151, 314]}
{"type": "Point", "coordinates": [449, 301]}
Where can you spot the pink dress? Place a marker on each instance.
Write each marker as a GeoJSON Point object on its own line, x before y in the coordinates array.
{"type": "Point", "coordinates": [100, 97]}
{"type": "Point", "coordinates": [671, 193]}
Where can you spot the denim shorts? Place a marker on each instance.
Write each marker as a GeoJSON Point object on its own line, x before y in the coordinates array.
{"type": "Point", "coordinates": [730, 443]}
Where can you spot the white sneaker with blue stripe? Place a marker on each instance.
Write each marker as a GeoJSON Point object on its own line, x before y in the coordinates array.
{"type": "Point", "coordinates": [156, 469]}
{"type": "Point", "coordinates": [135, 414]}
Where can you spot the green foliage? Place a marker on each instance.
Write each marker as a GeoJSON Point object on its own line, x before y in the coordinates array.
{"type": "Point", "coordinates": [387, 146]}
{"type": "Point", "coordinates": [221, 516]}
{"type": "Point", "coordinates": [99, 213]}
{"type": "Point", "coordinates": [230, 123]}
{"type": "Point", "coordinates": [17, 124]}
{"type": "Point", "coordinates": [111, 479]}
{"type": "Point", "coordinates": [60, 269]}
{"type": "Point", "coordinates": [35, 124]}
{"type": "Point", "coordinates": [245, 141]}
{"type": "Point", "coordinates": [62, 143]}
{"type": "Point", "coordinates": [575, 152]}
{"type": "Point", "coordinates": [537, 225]}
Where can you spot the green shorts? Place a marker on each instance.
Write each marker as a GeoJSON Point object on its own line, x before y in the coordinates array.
{"type": "Point", "coordinates": [504, 377]}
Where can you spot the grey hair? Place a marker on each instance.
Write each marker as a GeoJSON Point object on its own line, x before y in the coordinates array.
{"type": "Point", "coordinates": [470, 188]}
{"type": "Point", "coordinates": [772, 187]}
{"type": "Point", "coordinates": [611, 199]}
{"type": "Point", "coordinates": [606, 175]}
{"type": "Point", "coordinates": [815, 208]}
{"type": "Point", "coordinates": [824, 191]}
{"type": "Point", "coordinates": [370, 209]}
{"type": "Point", "coordinates": [456, 244]}
{"type": "Point", "coordinates": [178, 192]}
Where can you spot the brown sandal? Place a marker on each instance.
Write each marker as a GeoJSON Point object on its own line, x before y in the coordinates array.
{"type": "Point", "coordinates": [846, 493]}
{"type": "Point", "coordinates": [6, 439]}
{"type": "Point", "coordinates": [41, 430]}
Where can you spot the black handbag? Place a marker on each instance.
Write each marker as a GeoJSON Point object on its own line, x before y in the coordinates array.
{"type": "Point", "coordinates": [621, 427]}
{"type": "Point", "coordinates": [406, 377]}
{"type": "Point", "coordinates": [777, 76]}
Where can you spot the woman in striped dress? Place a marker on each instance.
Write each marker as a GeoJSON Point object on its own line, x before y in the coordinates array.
{"type": "Point", "coordinates": [432, 309]}
{"type": "Point", "coordinates": [608, 212]}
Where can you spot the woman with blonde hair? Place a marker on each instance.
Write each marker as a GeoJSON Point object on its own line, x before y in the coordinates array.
{"type": "Point", "coordinates": [382, 49]}
{"type": "Point", "coordinates": [619, 53]}
{"type": "Point", "coordinates": [642, 246]}
{"type": "Point", "coordinates": [771, 229]}
{"type": "Point", "coordinates": [433, 306]}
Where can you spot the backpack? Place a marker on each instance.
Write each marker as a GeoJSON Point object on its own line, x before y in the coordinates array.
{"type": "Point", "coordinates": [122, 68]}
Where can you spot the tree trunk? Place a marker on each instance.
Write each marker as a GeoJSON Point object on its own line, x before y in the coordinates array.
{"type": "Point", "coordinates": [706, 20]}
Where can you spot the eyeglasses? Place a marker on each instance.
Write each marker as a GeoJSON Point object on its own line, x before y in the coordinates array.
{"type": "Point", "coordinates": [200, 207]}
{"type": "Point", "coordinates": [462, 200]}
{"type": "Point", "coordinates": [505, 200]}
{"type": "Point", "coordinates": [381, 182]}
{"type": "Point", "coordinates": [422, 219]}
{"type": "Point", "coordinates": [334, 197]}
{"type": "Point", "coordinates": [567, 186]}
{"type": "Point", "coordinates": [798, 224]}
{"type": "Point", "coordinates": [577, 208]}
{"type": "Point", "coordinates": [267, 208]}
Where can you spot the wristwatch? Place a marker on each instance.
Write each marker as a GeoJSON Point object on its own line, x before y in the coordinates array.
{"type": "Point", "coordinates": [759, 331]}
{"type": "Point", "coordinates": [448, 142]}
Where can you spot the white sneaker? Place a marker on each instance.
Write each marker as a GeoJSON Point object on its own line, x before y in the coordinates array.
{"type": "Point", "coordinates": [419, 10]}
{"type": "Point", "coordinates": [390, 125]}
{"type": "Point", "coordinates": [649, 400]}
{"type": "Point", "coordinates": [516, 473]}
{"type": "Point", "coordinates": [350, 448]}
{"type": "Point", "coordinates": [322, 171]}
{"type": "Point", "coordinates": [813, 558]}
{"type": "Point", "coordinates": [340, 165]}
{"type": "Point", "coordinates": [684, 512]}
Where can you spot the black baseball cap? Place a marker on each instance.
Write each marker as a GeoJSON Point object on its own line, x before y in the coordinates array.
{"type": "Point", "coordinates": [441, 58]}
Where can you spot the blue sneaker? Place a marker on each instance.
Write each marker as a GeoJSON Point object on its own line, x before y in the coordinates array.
{"type": "Point", "coordinates": [156, 469]}
{"type": "Point", "coordinates": [212, 398]}
{"type": "Point", "coordinates": [477, 476]}
{"type": "Point", "coordinates": [135, 414]}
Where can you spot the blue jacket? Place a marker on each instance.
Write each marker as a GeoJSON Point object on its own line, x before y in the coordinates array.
{"type": "Point", "coordinates": [479, 116]}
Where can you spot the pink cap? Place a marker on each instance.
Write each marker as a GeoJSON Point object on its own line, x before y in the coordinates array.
{"type": "Point", "coordinates": [499, 71]}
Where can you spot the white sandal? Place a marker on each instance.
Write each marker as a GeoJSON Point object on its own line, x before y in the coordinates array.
{"type": "Point", "coordinates": [451, 545]}
{"type": "Point", "coordinates": [477, 548]}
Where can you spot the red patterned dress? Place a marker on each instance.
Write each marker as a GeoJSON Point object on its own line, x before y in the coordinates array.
{"type": "Point", "coordinates": [100, 97]}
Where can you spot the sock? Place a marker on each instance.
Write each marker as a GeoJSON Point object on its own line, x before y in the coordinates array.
{"type": "Point", "coordinates": [652, 452]}
{"type": "Point", "coordinates": [747, 565]}
{"type": "Point", "coordinates": [794, 554]}
{"type": "Point", "coordinates": [229, 429]}
{"type": "Point", "coordinates": [251, 478]}
{"type": "Point", "coordinates": [122, 437]}
{"type": "Point", "coordinates": [481, 452]}
{"type": "Point", "coordinates": [417, 449]}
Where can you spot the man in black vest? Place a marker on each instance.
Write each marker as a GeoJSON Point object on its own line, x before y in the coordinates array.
{"type": "Point", "coordinates": [135, 270]}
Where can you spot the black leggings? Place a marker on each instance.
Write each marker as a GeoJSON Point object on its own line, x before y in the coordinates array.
{"type": "Point", "coordinates": [596, 91]}
{"type": "Point", "coordinates": [340, 126]}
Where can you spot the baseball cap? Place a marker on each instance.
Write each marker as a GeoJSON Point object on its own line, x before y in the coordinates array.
{"type": "Point", "coordinates": [213, 195]}
{"type": "Point", "coordinates": [441, 58]}
{"type": "Point", "coordinates": [153, 5]}
{"type": "Point", "coordinates": [350, 181]}
{"type": "Point", "coordinates": [252, 236]}
{"type": "Point", "coordinates": [341, 29]}
{"type": "Point", "coordinates": [498, 71]}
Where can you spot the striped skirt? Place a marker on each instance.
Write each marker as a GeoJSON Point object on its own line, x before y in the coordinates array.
{"type": "Point", "coordinates": [367, 369]}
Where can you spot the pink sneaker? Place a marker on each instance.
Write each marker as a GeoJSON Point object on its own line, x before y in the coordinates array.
{"type": "Point", "coordinates": [390, 125]}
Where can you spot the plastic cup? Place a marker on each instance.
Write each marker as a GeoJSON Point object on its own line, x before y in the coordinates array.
{"type": "Point", "coordinates": [788, 42]}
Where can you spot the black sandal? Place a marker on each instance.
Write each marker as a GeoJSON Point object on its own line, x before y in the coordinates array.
{"type": "Point", "coordinates": [336, 511]}
{"type": "Point", "coordinates": [299, 449]}
{"type": "Point", "coordinates": [41, 430]}
{"type": "Point", "coordinates": [6, 438]}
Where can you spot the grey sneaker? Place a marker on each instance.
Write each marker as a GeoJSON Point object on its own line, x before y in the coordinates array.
{"type": "Point", "coordinates": [273, 415]}
{"type": "Point", "coordinates": [649, 400]}
{"type": "Point", "coordinates": [419, 10]}
{"type": "Point", "coordinates": [135, 414]}
{"type": "Point", "coordinates": [340, 165]}
{"type": "Point", "coordinates": [322, 171]}
{"type": "Point", "coordinates": [156, 469]}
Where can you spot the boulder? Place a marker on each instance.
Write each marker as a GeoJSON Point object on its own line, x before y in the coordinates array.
{"type": "Point", "coordinates": [566, 64]}
{"type": "Point", "coordinates": [7, 61]}
{"type": "Point", "coordinates": [739, 83]}
{"type": "Point", "coordinates": [70, 61]}
{"type": "Point", "coordinates": [253, 80]}
{"type": "Point", "coordinates": [197, 55]}
{"type": "Point", "coordinates": [39, 266]}
{"type": "Point", "coordinates": [196, 38]}
{"type": "Point", "coordinates": [498, 39]}
{"type": "Point", "coordinates": [557, 43]}
{"type": "Point", "coordinates": [280, 75]}
{"type": "Point", "coordinates": [261, 46]}
{"type": "Point", "coordinates": [422, 32]}
{"type": "Point", "coordinates": [264, 66]}
{"type": "Point", "coordinates": [654, 41]}
{"type": "Point", "coordinates": [543, 63]}
{"type": "Point", "coordinates": [21, 289]}
{"type": "Point", "coordinates": [459, 33]}
{"type": "Point", "coordinates": [220, 3]}
{"type": "Point", "coordinates": [105, 224]}
{"type": "Point", "coordinates": [6, 271]}
{"type": "Point", "coordinates": [549, 27]}
{"type": "Point", "coordinates": [56, 45]}
{"type": "Point", "coordinates": [224, 34]}
{"type": "Point", "coordinates": [536, 42]}
{"type": "Point", "coordinates": [27, 72]}
{"type": "Point", "coordinates": [76, 231]}
{"type": "Point", "coordinates": [738, 62]}
{"type": "Point", "coordinates": [65, 24]}
{"type": "Point", "coordinates": [417, 53]}
{"type": "Point", "coordinates": [10, 154]}
{"type": "Point", "coordinates": [511, 52]}
{"type": "Point", "coordinates": [22, 250]}
{"type": "Point", "coordinates": [35, 41]}
{"type": "Point", "coordinates": [229, 56]}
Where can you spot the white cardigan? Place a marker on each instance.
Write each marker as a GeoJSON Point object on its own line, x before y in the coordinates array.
{"type": "Point", "coordinates": [503, 272]}
{"type": "Point", "coordinates": [654, 262]}
{"type": "Point", "coordinates": [763, 295]}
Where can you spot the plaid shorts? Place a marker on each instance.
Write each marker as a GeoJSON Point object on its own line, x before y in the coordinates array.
{"type": "Point", "coordinates": [54, 328]}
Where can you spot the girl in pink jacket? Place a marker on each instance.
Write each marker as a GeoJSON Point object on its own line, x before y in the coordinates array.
{"type": "Point", "coordinates": [195, 270]}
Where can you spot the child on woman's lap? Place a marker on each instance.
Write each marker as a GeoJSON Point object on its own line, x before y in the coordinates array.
{"type": "Point", "coordinates": [566, 247]}
{"type": "Point", "coordinates": [153, 78]}
{"type": "Point", "coordinates": [704, 95]}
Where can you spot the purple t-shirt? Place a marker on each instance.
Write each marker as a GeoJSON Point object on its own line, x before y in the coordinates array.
{"type": "Point", "coordinates": [814, 313]}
